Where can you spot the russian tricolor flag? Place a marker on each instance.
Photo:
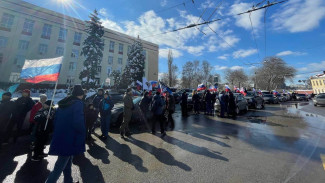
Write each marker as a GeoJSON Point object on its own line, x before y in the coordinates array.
{"type": "Point", "coordinates": [213, 88]}
{"type": "Point", "coordinates": [36, 71]}
{"type": "Point", "coordinates": [227, 88]}
{"type": "Point", "coordinates": [153, 83]}
{"type": "Point", "coordinates": [201, 87]}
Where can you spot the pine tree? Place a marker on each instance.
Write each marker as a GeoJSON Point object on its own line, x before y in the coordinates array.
{"type": "Point", "coordinates": [116, 78]}
{"type": "Point", "coordinates": [134, 70]}
{"type": "Point", "coordinates": [92, 49]}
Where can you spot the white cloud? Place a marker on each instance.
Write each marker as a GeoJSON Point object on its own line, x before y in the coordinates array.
{"type": "Point", "coordinates": [288, 52]}
{"type": "Point", "coordinates": [194, 50]}
{"type": "Point", "coordinates": [220, 68]}
{"type": "Point", "coordinates": [236, 67]}
{"type": "Point", "coordinates": [111, 25]}
{"type": "Point", "coordinates": [103, 12]}
{"type": "Point", "coordinates": [299, 15]}
{"type": "Point", "coordinates": [208, 4]}
{"type": "Point", "coordinates": [163, 53]}
{"type": "Point", "coordinates": [161, 75]}
{"type": "Point", "coordinates": [244, 53]}
{"type": "Point", "coordinates": [223, 57]}
{"type": "Point", "coordinates": [163, 3]}
{"type": "Point", "coordinates": [243, 20]}
{"type": "Point", "coordinates": [315, 66]}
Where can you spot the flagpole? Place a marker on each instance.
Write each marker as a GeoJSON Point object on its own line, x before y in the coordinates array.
{"type": "Point", "coordinates": [48, 115]}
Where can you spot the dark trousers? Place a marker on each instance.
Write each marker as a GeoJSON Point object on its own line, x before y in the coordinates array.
{"type": "Point", "coordinates": [170, 120]}
{"type": "Point", "coordinates": [18, 123]}
{"type": "Point", "coordinates": [184, 109]}
{"type": "Point", "coordinates": [41, 139]}
{"type": "Point", "coordinates": [160, 119]}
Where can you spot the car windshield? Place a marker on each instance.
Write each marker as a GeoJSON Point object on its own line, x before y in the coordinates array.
{"type": "Point", "coordinates": [268, 95]}
{"type": "Point", "coordinates": [250, 94]}
{"type": "Point", "coordinates": [320, 96]}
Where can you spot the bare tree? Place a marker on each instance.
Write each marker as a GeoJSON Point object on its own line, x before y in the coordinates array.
{"type": "Point", "coordinates": [164, 77]}
{"type": "Point", "coordinates": [273, 73]}
{"type": "Point", "coordinates": [188, 75]}
{"type": "Point", "coordinates": [236, 77]}
{"type": "Point", "coordinates": [170, 63]}
{"type": "Point", "coordinates": [195, 73]}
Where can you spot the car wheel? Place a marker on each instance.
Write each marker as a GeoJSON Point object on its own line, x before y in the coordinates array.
{"type": "Point", "coordinates": [237, 110]}
{"type": "Point", "coordinates": [315, 104]}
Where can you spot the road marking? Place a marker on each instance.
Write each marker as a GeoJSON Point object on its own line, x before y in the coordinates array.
{"type": "Point", "coordinates": [322, 157]}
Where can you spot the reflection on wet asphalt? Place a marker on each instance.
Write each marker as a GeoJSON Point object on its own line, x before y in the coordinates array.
{"type": "Point", "coordinates": [283, 143]}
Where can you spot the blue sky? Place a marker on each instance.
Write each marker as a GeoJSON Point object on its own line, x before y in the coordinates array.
{"type": "Point", "coordinates": [295, 30]}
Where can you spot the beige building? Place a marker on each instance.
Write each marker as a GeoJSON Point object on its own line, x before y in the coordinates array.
{"type": "Point", "coordinates": [318, 83]}
{"type": "Point", "coordinates": [31, 32]}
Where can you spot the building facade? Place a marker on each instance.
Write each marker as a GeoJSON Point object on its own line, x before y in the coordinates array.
{"type": "Point", "coordinates": [30, 32]}
{"type": "Point", "coordinates": [318, 83]}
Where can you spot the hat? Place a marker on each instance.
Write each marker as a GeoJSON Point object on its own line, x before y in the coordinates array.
{"type": "Point", "coordinates": [26, 91]}
{"type": "Point", "coordinates": [128, 90]}
{"type": "Point", "coordinates": [106, 93]}
{"type": "Point", "coordinates": [77, 91]}
{"type": "Point", "coordinates": [42, 95]}
{"type": "Point", "coordinates": [48, 102]}
{"type": "Point", "coordinates": [7, 94]}
{"type": "Point", "coordinates": [100, 89]}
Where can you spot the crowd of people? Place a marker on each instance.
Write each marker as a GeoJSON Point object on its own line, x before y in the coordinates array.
{"type": "Point", "coordinates": [73, 121]}
{"type": "Point", "coordinates": [206, 102]}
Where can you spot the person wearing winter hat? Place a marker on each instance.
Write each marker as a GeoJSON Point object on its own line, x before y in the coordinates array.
{"type": "Point", "coordinates": [21, 107]}
{"type": "Point", "coordinates": [41, 133]}
{"type": "Point", "coordinates": [6, 110]}
{"type": "Point", "coordinates": [69, 135]}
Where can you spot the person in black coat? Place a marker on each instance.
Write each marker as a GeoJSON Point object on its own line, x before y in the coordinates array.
{"type": "Point", "coordinates": [91, 116]}
{"type": "Point", "coordinates": [6, 110]}
{"type": "Point", "coordinates": [144, 105]}
{"type": "Point", "coordinates": [21, 107]}
{"type": "Point", "coordinates": [196, 102]}
{"type": "Point", "coordinates": [208, 101]}
{"type": "Point", "coordinates": [42, 133]}
{"type": "Point", "coordinates": [184, 104]}
{"type": "Point", "coordinates": [232, 106]}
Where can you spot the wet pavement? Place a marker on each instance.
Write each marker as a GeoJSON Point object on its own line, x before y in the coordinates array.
{"type": "Point", "coordinates": [283, 143]}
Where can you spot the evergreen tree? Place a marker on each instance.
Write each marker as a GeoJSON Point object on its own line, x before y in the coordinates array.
{"type": "Point", "coordinates": [136, 61]}
{"type": "Point", "coordinates": [116, 78]}
{"type": "Point", "coordinates": [92, 49]}
{"type": "Point", "coordinates": [126, 77]}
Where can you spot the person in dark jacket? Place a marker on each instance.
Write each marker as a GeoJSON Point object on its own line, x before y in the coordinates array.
{"type": "Point", "coordinates": [157, 110]}
{"type": "Point", "coordinates": [90, 116]}
{"type": "Point", "coordinates": [184, 104]}
{"type": "Point", "coordinates": [127, 113]}
{"type": "Point", "coordinates": [42, 133]}
{"type": "Point", "coordinates": [144, 105]}
{"type": "Point", "coordinates": [232, 106]}
{"type": "Point", "coordinates": [170, 108]}
{"type": "Point", "coordinates": [208, 102]}
{"type": "Point", "coordinates": [69, 134]}
{"type": "Point", "coordinates": [6, 110]}
{"type": "Point", "coordinates": [98, 98]}
{"type": "Point", "coordinates": [223, 106]}
{"type": "Point", "coordinates": [105, 109]}
{"type": "Point", "coordinates": [21, 107]}
{"type": "Point", "coordinates": [196, 102]}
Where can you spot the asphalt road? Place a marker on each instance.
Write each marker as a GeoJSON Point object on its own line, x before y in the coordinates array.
{"type": "Point", "coordinates": [283, 143]}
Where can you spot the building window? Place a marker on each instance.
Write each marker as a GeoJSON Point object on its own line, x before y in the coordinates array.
{"type": "Point", "coordinates": [110, 60]}
{"type": "Point", "coordinates": [28, 27]}
{"type": "Point", "coordinates": [72, 66]}
{"type": "Point", "coordinates": [6, 22]}
{"type": "Point", "coordinates": [23, 45]}
{"type": "Point", "coordinates": [63, 35]}
{"type": "Point", "coordinates": [120, 48]}
{"type": "Point", "coordinates": [46, 33]}
{"type": "Point", "coordinates": [119, 70]}
{"type": "Point", "coordinates": [111, 46]}
{"type": "Point", "coordinates": [3, 42]}
{"type": "Point", "coordinates": [99, 69]}
{"type": "Point", "coordinates": [317, 83]}
{"type": "Point", "coordinates": [75, 53]}
{"type": "Point", "coordinates": [42, 49]}
{"type": "Point", "coordinates": [120, 61]}
{"type": "Point", "coordinates": [77, 38]}
{"type": "Point", "coordinates": [109, 70]}
{"type": "Point", "coordinates": [129, 49]}
{"type": "Point", "coordinates": [59, 51]}
{"type": "Point", "coordinates": [144, 52]}
{"type": "Point", "coordinates": [19, 61]}
{"type": "Point", "coordinates": [324, 82]}
{"type": "Point", "coordinates": [1, 58]}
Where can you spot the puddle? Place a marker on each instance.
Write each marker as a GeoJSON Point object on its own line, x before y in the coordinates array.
{"type": "Point", "coordinates": [258, 120]}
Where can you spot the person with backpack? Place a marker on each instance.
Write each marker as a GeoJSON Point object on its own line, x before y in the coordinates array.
{"type": "Point", "coordinates": [41, 133]}
{"type": "Point", "coordinates": [127, 113]}
{"type": "Point", "coordinates": [157, 110]}
{"type": "Point", "coordinates": [105, 109]}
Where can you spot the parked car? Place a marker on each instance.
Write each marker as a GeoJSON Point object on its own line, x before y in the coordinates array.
{"type": "Point", "coordinates": [270, 99]}
{"type": "Point", "coordinates": [241, 103]}
{"type": "Point", "coordinates": [301, 97]}
{"type": "Point", "coordinates": [254, 101]}
{"type": "Point", "coordinates": [287, 96]}
{"type": "Point", "coordinates": [115, 96]}
{"type": "Point", "coordinates": [281, 97]}
{"type": "Point", "coordinates": [319, 99]}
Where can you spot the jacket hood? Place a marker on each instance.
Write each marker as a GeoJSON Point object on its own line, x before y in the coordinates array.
{"type": "Point", "coordinates": [68, 101]}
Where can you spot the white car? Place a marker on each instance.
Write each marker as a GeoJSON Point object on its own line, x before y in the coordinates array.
{"type": "Point", "coordinates": [319, 99]}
